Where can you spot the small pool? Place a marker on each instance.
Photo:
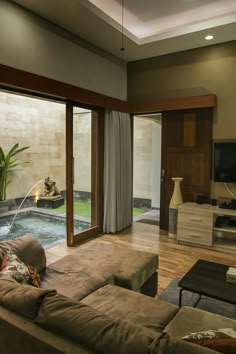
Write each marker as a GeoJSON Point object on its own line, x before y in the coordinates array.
{"type": "Point", "coordinates": [50, 230]}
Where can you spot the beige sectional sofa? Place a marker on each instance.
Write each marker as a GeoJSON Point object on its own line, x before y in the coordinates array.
{"type": "Point", "coordinates": [104, 318]}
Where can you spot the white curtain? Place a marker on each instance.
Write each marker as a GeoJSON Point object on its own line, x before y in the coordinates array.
{"type": "Point", "coordinates": [117, 172]}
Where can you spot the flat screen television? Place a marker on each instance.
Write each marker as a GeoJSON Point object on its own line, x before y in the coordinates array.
{"type": "Point", "coordinates": [224, 161]}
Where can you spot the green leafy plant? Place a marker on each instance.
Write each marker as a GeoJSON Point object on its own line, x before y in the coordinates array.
{"type": "Point", "coordinates": [7, 166]}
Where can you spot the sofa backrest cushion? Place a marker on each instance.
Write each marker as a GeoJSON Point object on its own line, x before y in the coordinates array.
{"type": "Point", "coordinates": [92, 329]}
{"type": "Point", "coordinates": [22, 299]}
{"type": "Point", "coordinates": [27, 249]}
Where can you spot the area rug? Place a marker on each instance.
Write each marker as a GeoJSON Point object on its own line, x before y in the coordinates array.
{"type": "Point", "coordinates": [149, 221]}
{"type": "Point", "coordinates": [171, 294]}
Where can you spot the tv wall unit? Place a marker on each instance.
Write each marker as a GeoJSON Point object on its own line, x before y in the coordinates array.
{"type": "Point", "coordinates": [197, 226]}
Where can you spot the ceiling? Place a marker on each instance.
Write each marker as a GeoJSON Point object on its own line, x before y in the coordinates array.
{"type": "Point", "coordinates": [150, 28]}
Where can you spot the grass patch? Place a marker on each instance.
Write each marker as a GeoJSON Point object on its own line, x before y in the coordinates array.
{"type": "Point", "coordinates": [137, 212]}
{"type": "Point", "coordinates": [83, 208]}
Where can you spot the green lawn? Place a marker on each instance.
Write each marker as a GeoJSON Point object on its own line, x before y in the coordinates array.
{"type": "Point", "coordinates": [83, 208]}
{"type": "Point", "coordinates": [137, 212]}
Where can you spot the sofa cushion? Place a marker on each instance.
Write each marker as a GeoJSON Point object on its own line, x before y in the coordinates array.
{"type": "Point", "coordinates": [73, 283]}
{"type": "Point", "coordinates": [175, 346]}
{"type": "Point", "coordinates": [14, 267]}
{"type": "Point", "coordinates": [130, 268]}
{"type": "Point", "coordinates": [120, 303]}
{"type": "Point", "coordinates": [22, 299]}
{"type": "Point", "coordinates": [92, 329]}
{"type": "Point", "coordinates": [28, 250]}
{"type": "Point", "coordinates": [190, 319]}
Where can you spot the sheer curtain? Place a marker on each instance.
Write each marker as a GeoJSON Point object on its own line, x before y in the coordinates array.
{"type": "Point", "coordinates": [117, 172]}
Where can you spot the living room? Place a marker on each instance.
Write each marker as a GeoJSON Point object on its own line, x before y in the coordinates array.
{"type": "Point", "coordinates": [35, 49]}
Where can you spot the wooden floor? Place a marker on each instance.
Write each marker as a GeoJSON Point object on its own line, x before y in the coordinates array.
{"type": "Point", "coordinates": [174, 259]}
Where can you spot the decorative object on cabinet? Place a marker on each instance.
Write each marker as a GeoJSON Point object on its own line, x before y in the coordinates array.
{"type": "Point", "coordinates": [175, 201]}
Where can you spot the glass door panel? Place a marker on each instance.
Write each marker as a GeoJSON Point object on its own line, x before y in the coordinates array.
{"type": "Point", "coordinates": [82, 171]}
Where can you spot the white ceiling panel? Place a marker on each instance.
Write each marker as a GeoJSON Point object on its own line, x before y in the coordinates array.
{"type": "Point", "coordinates": [151, 27]}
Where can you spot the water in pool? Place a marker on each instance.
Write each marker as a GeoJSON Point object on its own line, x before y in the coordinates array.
{"type": "Point", "coordinates": [49, 230]}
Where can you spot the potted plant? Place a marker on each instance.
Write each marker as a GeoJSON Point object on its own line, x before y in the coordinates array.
{"type": "Point", "coordinates": [8, 164]}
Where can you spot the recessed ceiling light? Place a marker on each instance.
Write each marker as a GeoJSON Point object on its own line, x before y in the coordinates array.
{"type": "Point", "coordinates": [209, 37]}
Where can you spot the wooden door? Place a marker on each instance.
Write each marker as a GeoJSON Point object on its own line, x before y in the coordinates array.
{"type": "Point", "coordinates": [85, 152]}
{"type": "Point", "coordinates": [186, 152]}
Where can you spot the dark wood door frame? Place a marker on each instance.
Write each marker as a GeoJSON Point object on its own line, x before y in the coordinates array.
{"type": "Point", "coordinates": [69, 174]}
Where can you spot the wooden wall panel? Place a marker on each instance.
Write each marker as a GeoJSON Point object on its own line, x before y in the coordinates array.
{"type": "Point", "coordinates": [186, 152]}
{"type": "Point", "coordinates": [189, 129]}
{"type": "Point", "coordinates": [173, 104]}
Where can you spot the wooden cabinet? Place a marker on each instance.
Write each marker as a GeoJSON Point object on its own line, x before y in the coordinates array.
{"type": "Point", "coordinates": [195, 223]}
{"type": "Point", "coordinates": [196, 226]}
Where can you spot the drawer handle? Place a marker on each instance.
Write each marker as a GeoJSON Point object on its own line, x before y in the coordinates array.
{"type": "Point", "coordinates": [195, 236]}
{"type": "Point", "coordinates": [195, 219]}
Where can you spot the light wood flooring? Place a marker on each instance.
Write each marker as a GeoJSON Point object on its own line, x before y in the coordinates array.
{"type": "Point", "coordinates": [174, 259]}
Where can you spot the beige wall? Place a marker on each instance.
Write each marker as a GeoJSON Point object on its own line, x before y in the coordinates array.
{"type": "Point", "coordinates": [210, 69]}
{"type": "Point", "coordinates": [156, 163]}
{"type": "Point", "coordinates": [82, 149]}
{"type": "Point", "coordinates": [142, 158]}
{"type": "Point", "coordinates": [147, 153]}
{"type": "Point", "coordinates": [41, 126]}
{"type": "Point", "coordinates": [29, 43]}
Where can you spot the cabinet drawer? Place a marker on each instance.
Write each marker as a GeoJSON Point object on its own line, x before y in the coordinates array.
{"type": "Point", "coordinates": [194, 235]}
{"type": "Point", "coordinates": [195, 219]}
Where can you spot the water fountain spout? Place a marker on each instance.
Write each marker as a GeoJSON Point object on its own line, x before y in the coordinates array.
{"type": "Point", "coordinates": [4, 230]}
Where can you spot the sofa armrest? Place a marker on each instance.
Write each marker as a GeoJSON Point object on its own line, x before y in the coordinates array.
{"type": "Point", "coordinates": [19, 335]}
{"type": "Point", "coordinates": [28, 250]}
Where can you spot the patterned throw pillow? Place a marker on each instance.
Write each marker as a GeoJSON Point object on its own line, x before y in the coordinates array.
{"type": "Point", "coordinates": [222, 340]}
{"type": "Point", "coordinates": [34, 277]}
{"type": "Point", "coordinates": [13, 266]}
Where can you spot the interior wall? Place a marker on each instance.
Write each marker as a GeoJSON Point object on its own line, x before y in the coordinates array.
{"type": "Point", "coordinates": [82, 135]}
{"type": "Point", "coordinates": [142, 158]}
{"type": "Point", "coordinates": [40, 125]}
{"type": "Point", "coordinates": [156, 164]}
{"type": "Point", "coordinates": [34, 45]}
{"type": "Point", "coordinates": [147, 160]}
{"type": "Point", "coordinates": [193, 72]}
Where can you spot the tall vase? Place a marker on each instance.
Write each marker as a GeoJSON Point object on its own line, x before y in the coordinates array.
{"type": "Point", "coordinates": [175, 201]}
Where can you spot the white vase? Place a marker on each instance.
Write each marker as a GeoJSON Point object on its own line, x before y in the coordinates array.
{"type": "Point", "coordinates": [175, 201]}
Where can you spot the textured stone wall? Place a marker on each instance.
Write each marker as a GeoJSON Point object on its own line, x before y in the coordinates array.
{"type": "Point", "coordinates": [147, 162]}
{"type": "Point", "coordinates": [82, 149]}
{"type": "Point", "coordinates": [142, 158]}
{"type": "Point", "coordinates": [40, 125]}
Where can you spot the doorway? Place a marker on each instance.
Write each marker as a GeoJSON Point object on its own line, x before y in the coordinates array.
{"type": "Point", "coordinates": [146, 168]}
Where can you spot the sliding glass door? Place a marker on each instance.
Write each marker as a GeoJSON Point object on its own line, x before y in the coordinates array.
{"type": "Point", "coordinates": [84, 172]}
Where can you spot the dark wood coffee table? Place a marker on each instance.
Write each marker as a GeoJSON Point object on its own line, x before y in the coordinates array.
{"type": "Point", "coordinates": [209, 279]}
